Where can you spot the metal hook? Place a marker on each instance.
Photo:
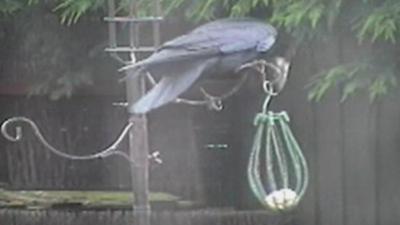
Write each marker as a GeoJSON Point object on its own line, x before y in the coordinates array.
{"type": "Point", "coordinates": [268, 88]}
{"type": "Point", "coordinates": [18, 129]}
{"type": "Point", "coordinates": [280, 68]}
{"type": "Point", "coordinates": [156, 157]}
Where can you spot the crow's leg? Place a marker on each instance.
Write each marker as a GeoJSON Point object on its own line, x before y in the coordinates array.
{"type": "Point", "coordinates": [276, 79]}
{"type": "Point", "coordinates": [260, 66]}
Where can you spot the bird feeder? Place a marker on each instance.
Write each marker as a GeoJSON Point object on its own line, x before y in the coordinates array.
{"type": "Point", "coordinates": [277, 169]}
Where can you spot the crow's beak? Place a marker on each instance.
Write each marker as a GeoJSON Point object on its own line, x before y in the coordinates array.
{"type": "Point", "coordinates": [281, 75]}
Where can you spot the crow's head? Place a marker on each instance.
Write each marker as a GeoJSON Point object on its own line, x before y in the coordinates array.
{"type": "Point", "coordinates": [280, 74]}
{"type": "Point", "coordinates": [280, 56]}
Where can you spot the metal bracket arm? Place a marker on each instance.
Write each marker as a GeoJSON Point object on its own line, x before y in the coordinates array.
{"type": "Point", "coordinates": [112, 149]}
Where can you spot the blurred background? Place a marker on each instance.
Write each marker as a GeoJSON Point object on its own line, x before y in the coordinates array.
{"type": "Point", "coordinates": [342, 97]}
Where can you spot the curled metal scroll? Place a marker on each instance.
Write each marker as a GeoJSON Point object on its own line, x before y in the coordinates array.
{"type": "Point", "coordinates": [109, 151]}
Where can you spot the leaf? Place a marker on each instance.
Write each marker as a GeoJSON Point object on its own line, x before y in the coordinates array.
{"type": "Point", "coordinates": [315, 15]}
{"type": "Point", "coordinates": [254, 3]}
{"type": "Point", "coordinates": [350, 88]}
{"type": "Point", "coordinates": [72, 10]}
{"type": "Point", "coordinates": [351, 75]}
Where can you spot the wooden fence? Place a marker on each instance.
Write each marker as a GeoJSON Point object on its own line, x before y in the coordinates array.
{"type": "Point", "coordinates": [353, 150]}
{"type": "Point", "coordinates": [209, 217]}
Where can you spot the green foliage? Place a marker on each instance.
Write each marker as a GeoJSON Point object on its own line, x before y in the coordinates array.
{"type": "Point", "coordinates": [379, 22]}
{"type": "Point", "coordinates": [373, 22]}
{"type": "Point", "coordinates": [311, 20]}
{"type": "Point", "coordinates": [11, 6]}
{"type": "Point", "coordinates": [354, 77]}
{"type": "Point", "coordinates": [333, 77]}
{"type": "Point", "coordinates": [46, 199]}
{"type": "Point", "coordinates": [377, 19]}
{"type": "Point", "coordinates": [72, 10]}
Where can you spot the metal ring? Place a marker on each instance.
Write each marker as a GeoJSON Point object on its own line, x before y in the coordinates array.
{"type": "Point", "coordinates": [268, 88]}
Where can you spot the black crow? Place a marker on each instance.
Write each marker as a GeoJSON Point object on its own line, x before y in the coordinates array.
{"type": "Point", "coordinates": [218, 47]}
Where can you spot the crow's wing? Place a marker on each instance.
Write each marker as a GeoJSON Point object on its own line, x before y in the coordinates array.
{"type": "Point", "coordinates": [220, 37]}
{"type": "Point", "coordinates": [226, 36]}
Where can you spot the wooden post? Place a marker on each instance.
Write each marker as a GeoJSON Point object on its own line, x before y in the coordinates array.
{"type": "Point", "coordinates": [139, 151]}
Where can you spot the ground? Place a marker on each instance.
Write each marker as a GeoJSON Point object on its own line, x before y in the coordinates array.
{"type": "Point", "coordinates": [82, 199]}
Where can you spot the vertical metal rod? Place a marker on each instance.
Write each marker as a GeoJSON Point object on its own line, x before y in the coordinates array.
{"type": "Point", "coordinates": [112, 41]}
{"type": "Point", "coordinates": [138, 137]}
{"type": "Point", "coordinates": [112, 31]}
{"type": "Point", "coordinates": [132, 13]}
{"type": "Point", "coordinates": [156, 24]}
{"type": "Point", "coordinates": [133, 29]}
{"type": "Point", "coordinates": [135, 88]}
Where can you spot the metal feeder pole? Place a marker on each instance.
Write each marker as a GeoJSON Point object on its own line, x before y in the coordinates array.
{"type": "Point", "coordinates": [138, 136]}
{"type": "Point", "coordinates": [135, 88]}
{"type": "Point", "coordinates": [139, 151]}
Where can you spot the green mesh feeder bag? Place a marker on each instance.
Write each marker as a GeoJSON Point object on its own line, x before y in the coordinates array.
{"type": "Point", "coordinates": [277, 170]}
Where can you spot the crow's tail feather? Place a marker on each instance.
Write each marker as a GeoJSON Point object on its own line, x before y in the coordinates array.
{"type": "Point", "coordinates": [169, 88]}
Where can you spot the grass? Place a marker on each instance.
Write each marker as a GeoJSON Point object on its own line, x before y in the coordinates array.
{"type": "Point", "coordinates": [86, 199]}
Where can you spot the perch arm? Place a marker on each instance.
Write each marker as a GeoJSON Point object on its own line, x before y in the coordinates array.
{"type": "Point", "coordinates": [110, 150]}
{"type": "Point", "coordinates": [215, 102]}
